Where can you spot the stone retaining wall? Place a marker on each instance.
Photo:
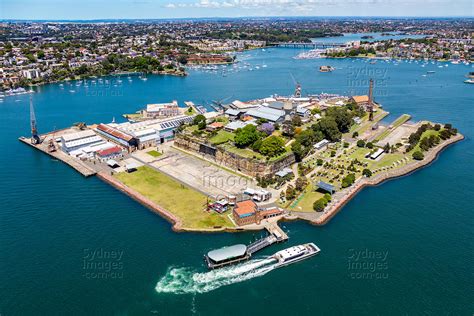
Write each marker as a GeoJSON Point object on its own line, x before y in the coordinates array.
{"type": "Point", "coordinates": [248, 166]}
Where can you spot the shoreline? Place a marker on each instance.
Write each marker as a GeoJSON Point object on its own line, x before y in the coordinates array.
{"type": "Point", "coordinates": [386, 58]}
{"type": "Point", "coordinates": [324, 218]}
{"type": "Point", "coordinates": [176, 223]}
{"type": "Point", "coordinates": [134, 73]}
{"type": "Point", "coordinates": [370, 182]}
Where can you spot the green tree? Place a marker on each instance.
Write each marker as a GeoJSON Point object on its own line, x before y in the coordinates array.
{"type": "Point", "coordinates": [296, 120]}
{"type": "Point", "coordinates": [272, 146]}
{"type": "Point", "coordinates": [202, 125]}
{"type": "Point", "coordinates": [246, 136]}
{"type": "Point", "coordinates": [342, 117]}
{"type": "Point", "coordinates": [290, 192]}
{"type": "Point", "coordinates": [360, 143]}
{"type": "Point", "coordinates": [319, 205]}
{"type": "Point", "coordinates": [418, 155]}
{"type": "Point", "coordinates": [369, 145]}
{"type": "Point", "coordinates": [301, 183]}
{"type": "Point", "coordinates": [298, 150]}
{"type": "Point", "coordinates": [366, 172]}
{"type": "Point", "coordinates": [348, 180]}
{"type": "Point", "coordinates": [328, 127]}
{"type": "Point", "coordinates": [355, 135]}
{"type": "Point", "coordinates": [198, 118]}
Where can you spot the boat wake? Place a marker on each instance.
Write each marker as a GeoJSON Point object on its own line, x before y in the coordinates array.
{"type": "Point", "coordinates": [188, 281]}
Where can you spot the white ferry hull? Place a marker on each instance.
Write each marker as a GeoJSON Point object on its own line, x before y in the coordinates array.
{"type": "Point", "coordinates": [306, 251]}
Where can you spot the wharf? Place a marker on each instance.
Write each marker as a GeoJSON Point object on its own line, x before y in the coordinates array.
{"type": "Point", "coordinates": [78, 165]}
{"type": "Point", "coordinates": [276, 231]}
{"type": "Point", "coordinates": [276, 235]}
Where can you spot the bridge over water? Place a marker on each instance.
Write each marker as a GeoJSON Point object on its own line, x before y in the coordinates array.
{"type": "Point", "coordinates": [308, 45]}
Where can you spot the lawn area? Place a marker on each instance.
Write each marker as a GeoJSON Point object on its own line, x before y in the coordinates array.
{"type": "Point", "coordinates": [385, 161]}
{"type": "Point", "coordinates": [133, 116]}
{"type": "Point", "coordinates": [154, 153]}
{"type": "Point", "coordinates": [305, 203]}
{"type": "Point", "coordinates": [188, 112]}
{"type": "Point", "coordinates": [244, 152]}
{"type": "Point", "coordinates": [427, 133]}
{"type": "Point", "coordinates": [222, 137]}
{"type": "Point", "coordinates": [185, 203]}
{"type": "Point", "coordinates": [388, 160]}
{"type": "Point", "coordinates": [378, 116]}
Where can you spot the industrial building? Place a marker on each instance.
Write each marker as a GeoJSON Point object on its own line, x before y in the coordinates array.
{"type": "Point", "coordinates": [117, 136]}
{"type": "Point", "coordinates": [107, 154]}
{"type": "Point", "coordinates": [162, 110]}
{"type": "Point", "coordinates": [145, 134]}
{"type": "Point", "coordinates": [267, 113]}
{"type": "Point", "coordinates": [321, 144]}
{"type": "Point", "coordinates": [76, 141]}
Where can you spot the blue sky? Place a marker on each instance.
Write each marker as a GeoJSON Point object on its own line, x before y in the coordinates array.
{"type": "Point", "coordinates": [121, 9]}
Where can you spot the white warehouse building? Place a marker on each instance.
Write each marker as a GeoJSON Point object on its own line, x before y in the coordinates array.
{"type": "Point", "coordinates": [74, 141]}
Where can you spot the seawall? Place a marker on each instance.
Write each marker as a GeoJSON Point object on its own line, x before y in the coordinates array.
{"type": "Point", "coordinates": [431, 156]}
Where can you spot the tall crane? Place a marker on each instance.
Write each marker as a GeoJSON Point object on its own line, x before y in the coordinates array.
{"type": "Point", "coordinates": [35, 139]}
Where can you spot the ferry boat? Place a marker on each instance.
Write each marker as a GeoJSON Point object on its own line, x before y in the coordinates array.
{"type": "Point", "coordinates": [326, 68]}
{"type": "Point", "coordinates": [295, 254]}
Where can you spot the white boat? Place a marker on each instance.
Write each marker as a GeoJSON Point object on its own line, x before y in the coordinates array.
{"type": "Point", "coordinates": [295, 254]}
{"type": "Point", "coordinates": [471, 81]}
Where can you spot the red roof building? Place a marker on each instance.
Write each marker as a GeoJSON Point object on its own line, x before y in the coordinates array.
{"type": "Point", "coordinates": [113, 151]}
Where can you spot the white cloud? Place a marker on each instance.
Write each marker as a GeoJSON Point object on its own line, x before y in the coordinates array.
{"type": "Point", "coordinates": [301, 5]}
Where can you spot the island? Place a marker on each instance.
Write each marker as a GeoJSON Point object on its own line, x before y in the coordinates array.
{"type": "Point", "coordinates": [246, 165]}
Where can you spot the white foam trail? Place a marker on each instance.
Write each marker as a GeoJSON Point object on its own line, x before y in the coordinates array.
{"type": "Point", "coordinates": [186, 280]}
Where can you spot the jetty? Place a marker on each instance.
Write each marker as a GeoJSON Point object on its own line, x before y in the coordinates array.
{"type": "Point", "coordinates": [75, 163]}
{"type": "Point", "coordinates": [237, 253]}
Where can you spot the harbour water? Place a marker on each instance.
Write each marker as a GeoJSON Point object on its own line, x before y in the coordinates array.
{"type": "Point", "coordinates": [76, 246]}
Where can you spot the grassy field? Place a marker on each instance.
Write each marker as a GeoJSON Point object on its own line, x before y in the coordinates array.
{"type": "Point", "coordinates": [385, 161]}
{"type": "Point", "coordinates": [244, 152]}
{"type": "Point", "coordinates": [187, 112]}
{"type": "Point", "coordinates": [427, 133]}
{"type": "Point", "coordinates": [222, 137]}
{"type": "Point", "coordinates": [378, 116]}
{"type": "Point", "coordinates": [133, 116]}
{"type": "Point", "coordinates": [305, 202]}
{"type": "Point", "coordinates": [154, 153]}
{"type": "Point", "coordinates": [187, 204]}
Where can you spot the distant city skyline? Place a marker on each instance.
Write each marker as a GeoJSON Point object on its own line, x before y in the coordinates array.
{"type": "Point", "coordinates": [161, 9]}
